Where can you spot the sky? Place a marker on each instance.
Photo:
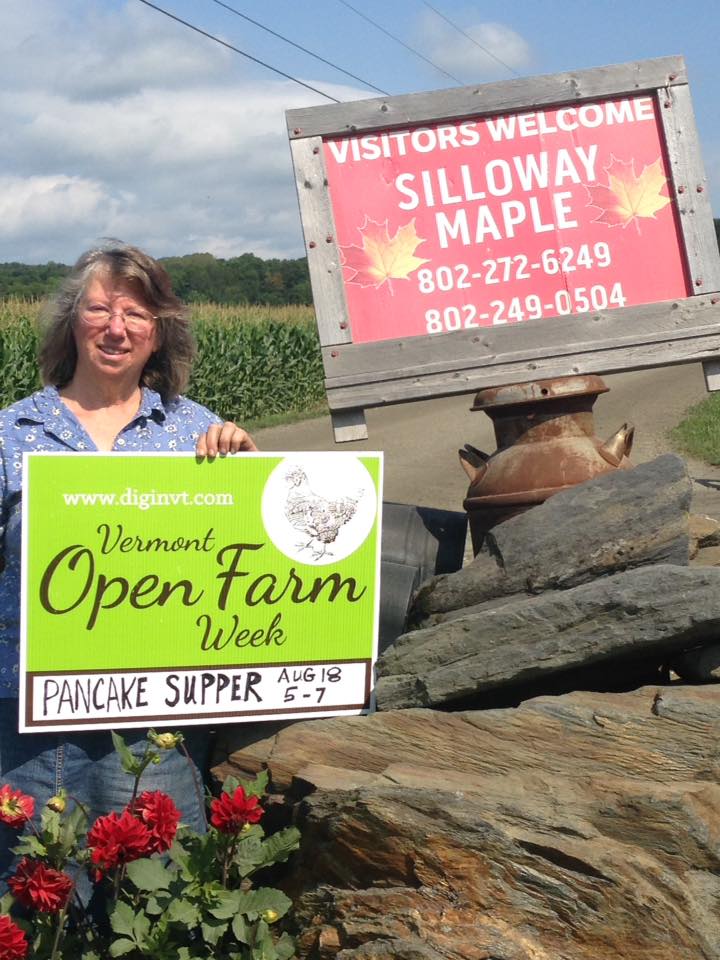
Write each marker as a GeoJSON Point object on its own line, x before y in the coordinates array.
{"type": "Point", "coordinates": [116, 121]}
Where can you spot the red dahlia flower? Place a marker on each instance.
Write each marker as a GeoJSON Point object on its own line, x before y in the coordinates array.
{"type": "Point", "coordinates": [40, 887]}
{"type": "Point", "coordinates": [15, 806]}
{"type": "Point", "coordinates": [13, 945]}
{"type": "Point", "coordinates": [161, 817]}
{"type": "Point", "coordinates": [117, 838]}
{"type": "Point", "coordinates": [230, 813]}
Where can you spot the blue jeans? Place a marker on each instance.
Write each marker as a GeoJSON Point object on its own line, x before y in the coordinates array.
{"type": "Point", "coordinates": [86, 765]}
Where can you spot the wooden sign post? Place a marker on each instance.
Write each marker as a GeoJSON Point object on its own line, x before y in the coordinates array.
{"type": "Point", "coordinates": [477, 236]}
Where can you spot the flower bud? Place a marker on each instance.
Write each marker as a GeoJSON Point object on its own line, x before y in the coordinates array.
{"type": "Point", "coordinates": [166, 741]}
{"type": "Point", "coordinates": [270, 916]}
{"type": "Point", "coordinates": [57, 803]}
{"type": "Point", "coordinates": [156, 760]}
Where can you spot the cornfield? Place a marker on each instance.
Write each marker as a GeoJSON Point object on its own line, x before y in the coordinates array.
{"type": "Point", "coordinates": [252, 362]}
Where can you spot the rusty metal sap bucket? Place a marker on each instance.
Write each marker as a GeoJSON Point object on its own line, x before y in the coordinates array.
{"type": "Point", "coordinates": [545, 437]}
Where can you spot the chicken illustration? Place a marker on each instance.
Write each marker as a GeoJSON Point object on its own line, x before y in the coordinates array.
{"type": "Point", "coordinates": [319, 518]}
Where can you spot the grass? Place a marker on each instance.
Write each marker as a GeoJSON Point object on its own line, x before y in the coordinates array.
{"type": "Point", "coordinates": [291, 416]}
{"type": "Point", "coordinates": [698, 434]}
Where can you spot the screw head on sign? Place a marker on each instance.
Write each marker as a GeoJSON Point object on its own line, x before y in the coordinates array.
{"type": "Point", "coordinates": [343, 324]}
{"type": "Point", "coordinates": [666, 103]}
{"type": "Point", "coordinates": [699, 188]}
{"type": "Point", "coordinates": [681, 189]}
{"type": "Point", "coordinates": [329, 238]}
{"type": "Point", "coordinates": [384, 108]}
{"type": "Point", "coordinates": [316, 149]}
{"type": "Point", "coordinates": [698, 282]}
{"type": "Point", "coordinates": [334, 353]}
{"type": "Point", "coordinates": [673, 76]}
{"type": "Point", "coordinates": [715, 300]}
{"type": "Point", "coordinates": [297, 131]}
{"type": "Point", "coordinates": [312, 244]}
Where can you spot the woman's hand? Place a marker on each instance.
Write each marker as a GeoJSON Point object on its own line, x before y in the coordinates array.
{"type": "Point", "coordinates": [222, 438]}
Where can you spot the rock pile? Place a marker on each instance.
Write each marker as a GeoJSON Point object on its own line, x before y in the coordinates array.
{"type": "Point", "coordinates": [536, 785]}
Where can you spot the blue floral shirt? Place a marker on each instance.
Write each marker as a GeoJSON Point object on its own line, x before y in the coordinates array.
{"type": "Point", "coordinates": [43, 422]}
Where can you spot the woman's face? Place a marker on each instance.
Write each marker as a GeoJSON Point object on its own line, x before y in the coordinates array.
{"type": "Point", "coordinates": [115, 332]}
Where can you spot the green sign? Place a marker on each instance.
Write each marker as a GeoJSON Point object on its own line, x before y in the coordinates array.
{"type": "Point", "coordinates": [159, 588]}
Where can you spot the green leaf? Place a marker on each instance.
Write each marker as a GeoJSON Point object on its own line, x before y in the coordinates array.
{"type": "Point", "coordinates": [264, 951]}
{"type": "Point", "coordinates": [212, 930]}
{"type": "Point", "coordinates": [150, 875]}
{"type": "Point", "coordinates": [258, 786]}
{"type": "Point", "coordinates": [278, 847]}
{"type": "Point", "coordinates": [127, 760]}
{"type": "Point", "coordinates": [227, 905]}
{"type": "Point", "coordinates": [50, 825]}
{"type": "Point", "coordinates": [31, 844]}
{"type": "Point", "coordinates": [178, 854]}
{"type": "Point", "coordinates": [285, 947]}
{"type": "Point", "coordinates": [120, 947]}
{"type": "Point", "coordinates": [230, 784]}
{"type": "Point", "coordinates": [254, 903]}
{"type": "Point", "coordinates": [182, 911]}
{"type": "Point", "coordinates": [141, 928]}
{"type": "Point", "coordinates": [122, 918]}
{"type": "Point", "coordinates": [76, 821]}
{"type": "Point", "coordinates": [263, 947]}
{"type": "Point", "coordinates": [72, 831]}
{"type": "Point", "coordinates": [239, 928]}
{"type": "Point", "coordinates": [154, 908]}
{"type": "Point", "coordinates": [249, 854]}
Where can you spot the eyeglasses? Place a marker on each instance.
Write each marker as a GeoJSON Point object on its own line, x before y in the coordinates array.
{"type": "Point", "coordinates": [98, 315]}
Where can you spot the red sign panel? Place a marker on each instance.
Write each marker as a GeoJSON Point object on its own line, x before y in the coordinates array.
{"type": "Point", "coordinates": [500, 220]}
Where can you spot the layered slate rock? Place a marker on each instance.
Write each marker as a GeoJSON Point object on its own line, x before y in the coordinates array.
{"type": "Point", "coordinates": [580, 827]}
{"type": "Point", "coordinates": [615, 522]}
{"type": "Point", "coordinates": [649, 612]}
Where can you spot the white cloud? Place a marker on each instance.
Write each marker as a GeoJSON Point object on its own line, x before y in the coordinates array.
{"type": "Point", "coordinates": [486, 51]}
{"type": "Point", "coordinates": [83, 49]}
{"type": "Point", "coordinates": [47, 205]}
{"type": "Point", "coordinates": [158, 137]}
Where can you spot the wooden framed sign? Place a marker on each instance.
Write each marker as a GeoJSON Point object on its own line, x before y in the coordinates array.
{"type": "Point", "coordinates": [170, 591]}
{"type": "Point", "coordinates": [484, 235]}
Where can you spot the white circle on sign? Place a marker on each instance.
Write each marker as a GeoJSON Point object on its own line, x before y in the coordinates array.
{"type": "Point", "coordinates": [319, 508]}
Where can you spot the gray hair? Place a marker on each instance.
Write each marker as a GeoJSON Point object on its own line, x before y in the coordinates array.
{"type": "Point", "coordinates": [168, 369]}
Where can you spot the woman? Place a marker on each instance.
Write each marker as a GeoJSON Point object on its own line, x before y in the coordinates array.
{"type": "Point", "coordinates": [115, 358]}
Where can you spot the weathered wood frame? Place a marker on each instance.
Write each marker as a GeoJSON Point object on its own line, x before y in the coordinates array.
{"type": "Point", "coordinates": [415, 368]}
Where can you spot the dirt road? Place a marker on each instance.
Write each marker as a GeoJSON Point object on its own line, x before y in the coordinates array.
{"type": "Point", "coordinates": [421, 440]}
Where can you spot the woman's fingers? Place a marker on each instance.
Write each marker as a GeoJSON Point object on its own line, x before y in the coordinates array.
{"type": "Point", "coordinates": [224, 438]}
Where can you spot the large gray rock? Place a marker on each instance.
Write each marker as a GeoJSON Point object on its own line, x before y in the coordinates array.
{"type": "Point", "coordinates": [618, 521]}
{"type": "Point", "coordinates": [582, 827]}
{"type": "Point", "coordinates": [639, 614]}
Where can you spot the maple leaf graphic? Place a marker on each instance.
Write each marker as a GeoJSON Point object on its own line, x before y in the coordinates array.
{"type": "Point", "coordinates": [381, 257]}
{"type": "Point", "coordinates": [626, 196]}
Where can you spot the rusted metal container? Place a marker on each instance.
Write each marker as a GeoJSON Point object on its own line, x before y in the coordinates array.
{"type": "Point", "coordinates": [545, 443]}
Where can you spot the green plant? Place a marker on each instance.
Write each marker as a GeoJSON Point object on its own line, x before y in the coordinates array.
{"type": "Point", "coordinates": [698, 433]}
{"type": "Point", "coordinates": [168, 893]}
{"type": "Point", "coordinates": [18, 351]}
{"type": "Point", "coordinates": [258, 368]}
{"type": "Point", "coordinates": [253, 363]}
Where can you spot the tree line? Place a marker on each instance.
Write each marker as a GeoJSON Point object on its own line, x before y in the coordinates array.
{"type": "Point", "coordinates": [246, 279]}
